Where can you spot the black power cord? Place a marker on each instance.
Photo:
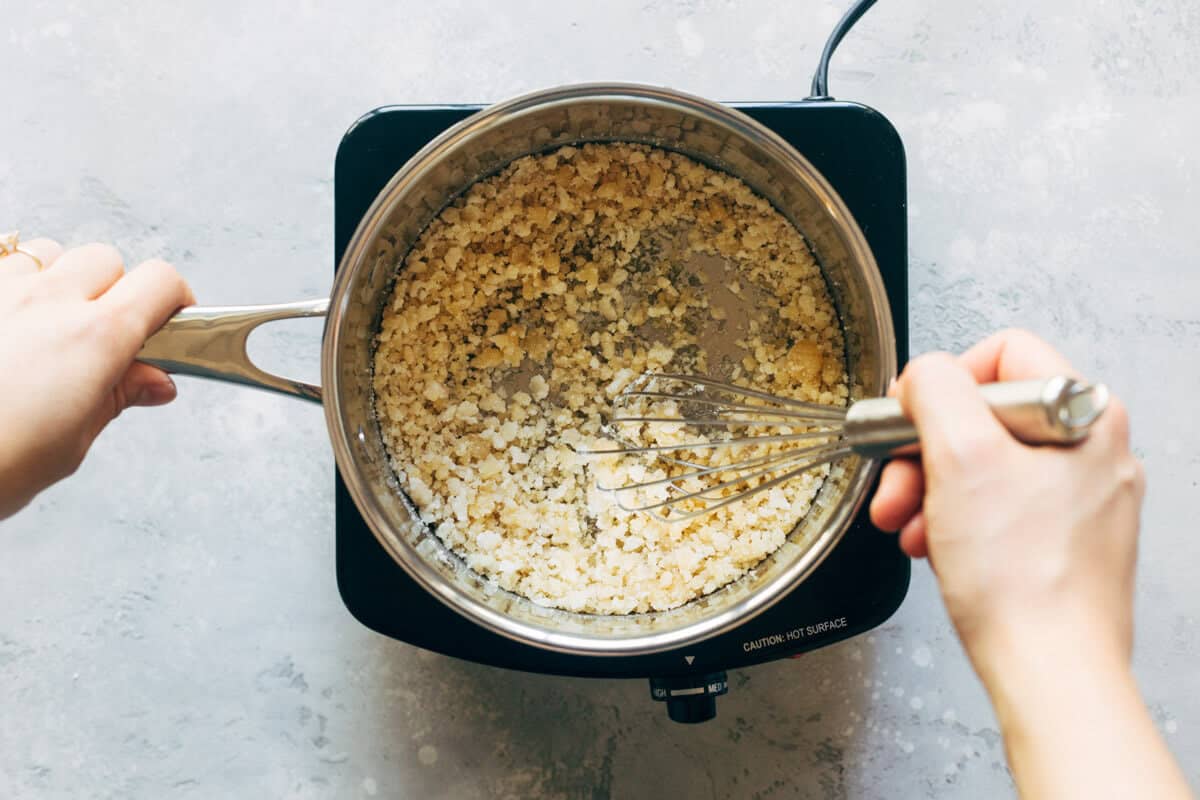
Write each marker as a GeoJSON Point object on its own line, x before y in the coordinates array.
{"type": "Point", "coordinates": [820, 83]}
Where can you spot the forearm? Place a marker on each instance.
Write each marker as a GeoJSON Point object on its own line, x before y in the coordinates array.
{"type": "Point", "coordinates": [24, 461]}
{"type": "Point", "coordinates": [1075, 726]}
{"type": "Point", "coordinates": [15, 490]}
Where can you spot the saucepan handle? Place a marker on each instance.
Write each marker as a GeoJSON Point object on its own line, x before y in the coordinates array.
{"type": "Point", "coordinates": [210, 342]}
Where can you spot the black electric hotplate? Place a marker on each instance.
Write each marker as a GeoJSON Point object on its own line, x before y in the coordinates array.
{"type": "Point", "coordinates": [856, 588]}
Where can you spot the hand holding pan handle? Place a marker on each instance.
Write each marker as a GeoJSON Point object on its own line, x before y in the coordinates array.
{"type": "Point", "coordinates": [210, 342]}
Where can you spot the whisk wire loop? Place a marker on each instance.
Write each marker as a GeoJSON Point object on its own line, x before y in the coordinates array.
{"type": "Point", "coordinates": [662, 417]}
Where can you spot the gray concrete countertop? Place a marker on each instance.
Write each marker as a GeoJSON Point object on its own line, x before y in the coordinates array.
{"type": "Point", "coordinates": [169, 622]}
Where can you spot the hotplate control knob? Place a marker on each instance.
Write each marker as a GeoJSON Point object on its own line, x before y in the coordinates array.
{"type": "Point", "coordinates": [690, 698]}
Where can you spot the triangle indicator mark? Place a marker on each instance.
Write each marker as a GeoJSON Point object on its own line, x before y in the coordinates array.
{"type": "Point", "coordinates": [689, 659]}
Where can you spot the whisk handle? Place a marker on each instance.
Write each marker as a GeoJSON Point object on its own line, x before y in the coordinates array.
{"type": "Point", "coordinates": [1058, 410]}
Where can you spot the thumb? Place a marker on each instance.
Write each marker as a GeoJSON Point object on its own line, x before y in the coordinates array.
{"type": "Point", "coordinates": [142, 385]}
{"type": "Point", "coordinates": [955, 425]}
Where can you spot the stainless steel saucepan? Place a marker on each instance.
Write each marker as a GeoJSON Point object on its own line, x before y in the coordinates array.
{"type": "Point", "coordinates": [211, 342]}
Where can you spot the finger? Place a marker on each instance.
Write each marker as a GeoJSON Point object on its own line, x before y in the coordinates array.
{"type": "Point", "coordinates": [1110, 433]}
{"type": "Point", "coordinates": [899, 496]}
{"type": "Point", "coordinates": [1015, 355]}
{"type": "Point", "coordinates": [146, 298]}
{"type": "Point", "coordinates": [956, 427]}
{"type": "Point", "coordinates": [907, 450]}
{"type": "Point", "coordinates": [913, 540]}
{"type": "Point", "coordinates": [88, 270]}
{"type": "Point", "coordinates": [143, 385]}
{"type": "Point", "coordinates": [38, 252]}
{"type": "Point", "coordinates": [140, 385]}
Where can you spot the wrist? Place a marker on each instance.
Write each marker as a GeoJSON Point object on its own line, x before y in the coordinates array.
{"type": "Point", "coordinates": [1070, 666]}
{"type": "Point", "coordinates": [1023, 646]}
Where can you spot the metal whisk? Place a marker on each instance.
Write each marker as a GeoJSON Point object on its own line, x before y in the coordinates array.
{"type": "Point", "coordinates": [701, 444]}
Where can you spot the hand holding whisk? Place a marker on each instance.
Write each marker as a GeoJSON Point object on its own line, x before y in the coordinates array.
{"type": "Point", "coordinates": [715, 443]}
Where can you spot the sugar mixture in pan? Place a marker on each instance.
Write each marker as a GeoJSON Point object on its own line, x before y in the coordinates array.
{"type": "Point", "coordinates": [533, 299]}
